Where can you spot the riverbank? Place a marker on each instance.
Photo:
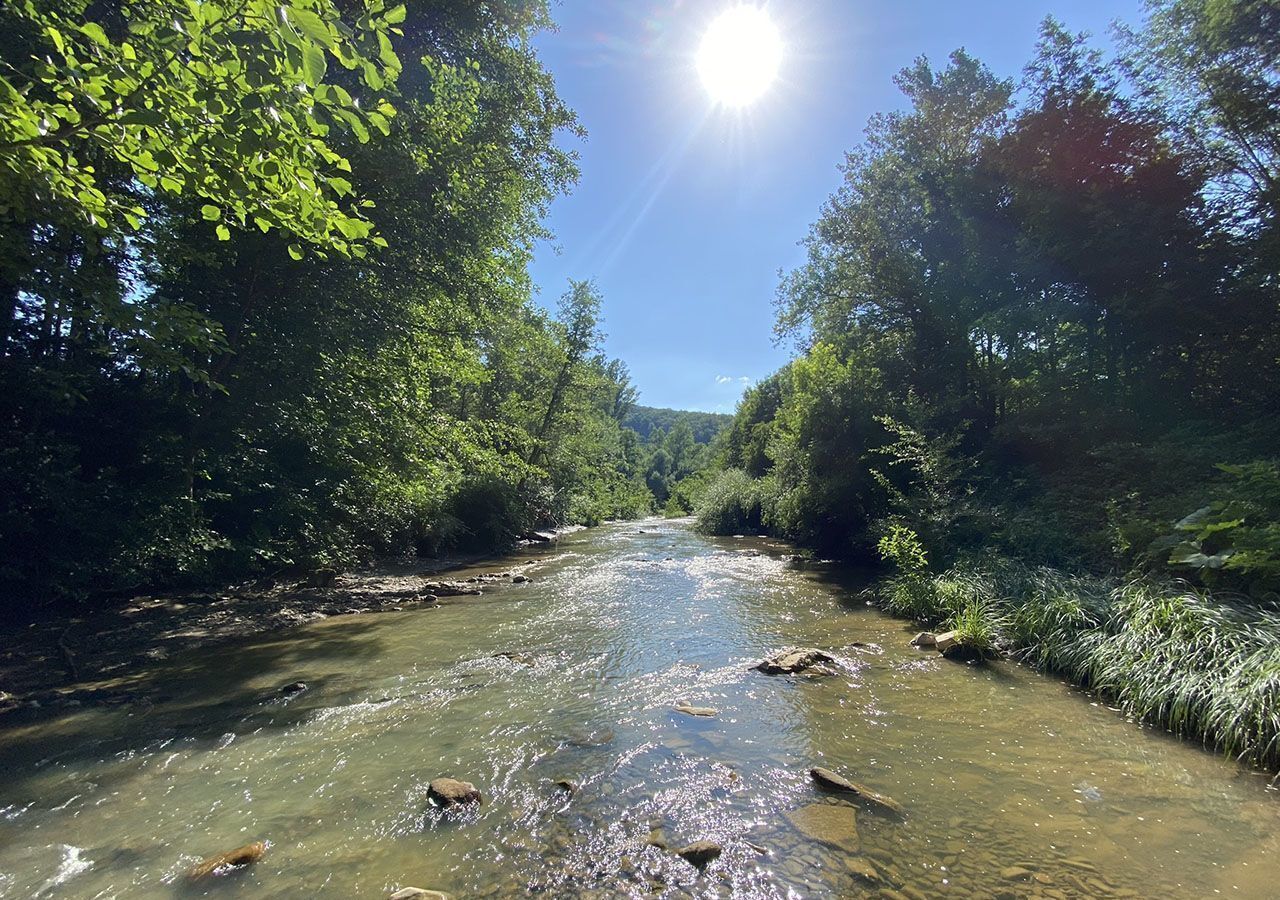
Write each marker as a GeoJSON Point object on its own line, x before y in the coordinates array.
{"type": "Point", "coordinates": [1204, 668]}
{"type": "Point", "coordinates": [96, 657]}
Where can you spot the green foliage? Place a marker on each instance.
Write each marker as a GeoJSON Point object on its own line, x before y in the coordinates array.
{"type": "Point", "coordinates": [731, 504]}
{"type": "Point", "coordinates": [978, 628]}
{"type": "Point", "coordinates": [242, 378]}
{"type": "Point", "coordinates": [1026, 319]}
{"type": "Point", "coordinates": [1237, 535]}
{"type": "Point", "coordinates": [910, 593]}
{"type": "Point", "coordinates": [706, 427]}
{"type": "Point", "coordinates": [901, 546]}
{"type": "Point", "coordinates": [227, 102]}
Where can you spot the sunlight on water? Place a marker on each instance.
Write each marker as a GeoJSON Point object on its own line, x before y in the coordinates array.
{"type": "Point", "coordinates": [1012, 783]}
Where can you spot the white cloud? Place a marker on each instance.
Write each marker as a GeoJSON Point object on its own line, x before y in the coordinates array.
{"type": "Point", "coordinates": [731, 379]}
{"type": "Point", "coordinates": [723, 379]}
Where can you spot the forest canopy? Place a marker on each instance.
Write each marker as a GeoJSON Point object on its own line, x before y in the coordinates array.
{"type": "Point", "coordinates": [1039, 315]}
{"type": "Point", "coordinates": [265, 295]}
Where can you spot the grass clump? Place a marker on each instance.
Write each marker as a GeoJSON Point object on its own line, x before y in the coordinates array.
{"type": "Point", "coordinates": [1204, 667]}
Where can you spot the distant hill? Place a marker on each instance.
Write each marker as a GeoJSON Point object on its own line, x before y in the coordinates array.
{"type": "Point", "coordinates": [644, 419]}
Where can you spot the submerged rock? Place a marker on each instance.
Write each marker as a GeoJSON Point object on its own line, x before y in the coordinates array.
{"type": "Point", "coordinates": [586, 739]}
{"type": "Point", "coordinates": [517, 658]}
{"type": "Point", "coordinates": [413, 893]}
{"type": "Point", "coordinates": [232, 860]}
{"type": "Point", "coordinates": [567, 785]}
{"type": "Point", "coordinates": [830, 781]}
{"type": "Point", "coordinates": [296, 688]}
{"type": "Point", "coordinates": [448, 792]}
{"type": "Point", "coordinates": [700, 853]}
{"type": "Point", "coordinates": [705, 712]}
{"type": "Point", "coordinates": [862, 869]}
{"type": "Point", "coordinates": [835, 826]}
{"type": "Point", "coordinates": [795, 660]}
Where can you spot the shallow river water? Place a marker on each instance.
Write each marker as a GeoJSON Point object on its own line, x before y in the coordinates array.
{"type": "Point", "coordinates": [1014, 784]}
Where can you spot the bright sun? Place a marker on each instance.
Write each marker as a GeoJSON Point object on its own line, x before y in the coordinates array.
{"type": "Point", "coordinates": [739, 56]}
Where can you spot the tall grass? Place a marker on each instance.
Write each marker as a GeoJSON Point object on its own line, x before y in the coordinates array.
{"type": "Point", "coordinates": [1206, 668]}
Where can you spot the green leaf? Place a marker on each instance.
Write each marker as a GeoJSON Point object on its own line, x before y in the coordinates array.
{"type": "Point", "coordinates": [224, 233]}
{"type": "Point", "coordinates": [295, 251]}
{"type": "Point", "coordinates": [395, 15]}
{"type": "Point", "coordinates": [211, 212]}
{"type": "Point", "coordinates": [94, 32]}
{"type": "Point", "coordinates": [311, 25]}
{"type": "Point", "coordinates": [313, 64]}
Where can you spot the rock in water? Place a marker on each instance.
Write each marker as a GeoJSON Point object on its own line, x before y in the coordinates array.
{"type": "Point", "coordinates": [296, 688]}
{"type": "Point", "coordinates": [413, 893]}
{"type": "Point", "coordinates": [925, 640]}
{"type": "Point", "coordinates": [448, 792]}
{"type": "Point", "coordinates": [835, 826]}
{"type": "Point", "coordinates": [232, 860]}
{"type": "Point", "coordinates": [520, 579]}
{"type": "Point", "coordinates": [701, 711]}
{"type": "Point", "coordinates": [830, 781]}
{"type": "Point", "coordinates": [862, 870]}
{"type": "Point", "coordinates": [699, 853]}
{"type": "Point", "coordinates": [794, 660]}
{"type": "Point", "coordinates": [944, 642]}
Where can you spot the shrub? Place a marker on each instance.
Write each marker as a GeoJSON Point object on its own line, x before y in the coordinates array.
{"type": "Point", "coordinates": [731, 504]}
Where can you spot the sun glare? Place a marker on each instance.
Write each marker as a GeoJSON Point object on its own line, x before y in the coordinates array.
{"type": "Point", "coordinates": [740, 56]}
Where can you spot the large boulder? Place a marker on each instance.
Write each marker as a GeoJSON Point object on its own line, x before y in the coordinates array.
{"type": "Point", "coordinates": [795, 660]}
{"type": "Point", "coordinates": [232, 860]}
{"type": "Point", "coordinates": [830, 781]}
{"type": "Point", "coordinates": [825, 823]}
{"type": "Point", "coordinates": [449, 792]}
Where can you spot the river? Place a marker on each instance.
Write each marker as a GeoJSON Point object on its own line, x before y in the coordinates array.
{"type": "Point", "coordinates": [1015, 785]}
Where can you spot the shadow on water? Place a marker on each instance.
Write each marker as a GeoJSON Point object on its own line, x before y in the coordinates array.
{"type": "Point", "coordinates": [201, 698]}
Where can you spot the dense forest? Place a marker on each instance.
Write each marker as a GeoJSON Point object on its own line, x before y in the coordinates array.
{"type": "Point", "coordinates": [266, 301]}
{"type": "Point", "coordinates": [644, 420]}
{"type": "Point", "coordinates": [1037, 325]}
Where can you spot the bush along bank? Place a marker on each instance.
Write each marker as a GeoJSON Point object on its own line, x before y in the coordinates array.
{"type": "Point", "coordinates": [1204, 668]}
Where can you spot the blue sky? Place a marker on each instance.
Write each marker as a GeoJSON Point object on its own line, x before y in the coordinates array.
{"type": "Point", "coordinates": [685, 212]}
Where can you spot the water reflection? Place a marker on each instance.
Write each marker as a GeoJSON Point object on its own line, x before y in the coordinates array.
{"type": "Point", "coordinates": [1015, 784]}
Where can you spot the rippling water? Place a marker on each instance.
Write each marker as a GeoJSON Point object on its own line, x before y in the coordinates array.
{"type": "Point", "coordinates": [1015, 785]}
